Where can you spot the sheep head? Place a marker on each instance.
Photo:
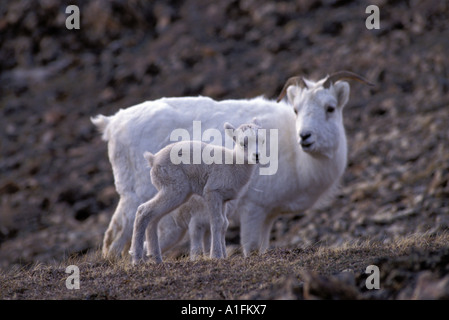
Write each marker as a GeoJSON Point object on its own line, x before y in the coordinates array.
{"type": "Point", "coordinates": [247, 139]}
{"type": "Point", "coordinates": [319, 111]}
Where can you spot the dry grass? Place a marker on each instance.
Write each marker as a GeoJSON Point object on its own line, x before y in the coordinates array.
{"type": "Point", "coordinates": [264, 276]}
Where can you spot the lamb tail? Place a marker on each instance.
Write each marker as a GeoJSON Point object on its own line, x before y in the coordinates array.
{"type": "Point", "coordinates": [149, 157]}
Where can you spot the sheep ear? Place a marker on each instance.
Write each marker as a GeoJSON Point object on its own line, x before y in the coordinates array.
{"type": "Point", "coordinates": [342, 90]}
{"type": "Point", "coordinates": [292, 92]}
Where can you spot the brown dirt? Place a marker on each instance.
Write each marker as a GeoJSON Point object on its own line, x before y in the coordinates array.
{"type": "Point", "coordinates": [56, 184]}
{"type": "Point", "coordinates": [282, 273]}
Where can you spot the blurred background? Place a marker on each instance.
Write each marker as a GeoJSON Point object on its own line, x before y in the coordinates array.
{"type": "Point", "coordinates": [56, 186]}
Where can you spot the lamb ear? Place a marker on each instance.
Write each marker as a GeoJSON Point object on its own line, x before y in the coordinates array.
{"type": "Point", "coordinates": [256, 122]}
{"type": "Point", "coordinates": [227, 125]}
{"type": "Point", "coordinates": [149, 157]}
{"type": "Point", "coordinates": [229, 129]}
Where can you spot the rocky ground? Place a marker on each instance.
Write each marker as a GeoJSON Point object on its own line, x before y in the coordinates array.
{"type": "Point", "coordinates": [417, 267]}
{"type": "Point", "coordinates": [56, 184]}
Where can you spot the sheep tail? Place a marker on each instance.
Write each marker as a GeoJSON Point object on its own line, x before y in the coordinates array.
{"type": "Point", "coordinates": [102, 122]}
{"type": "Point", "coordinates": [149, 157]}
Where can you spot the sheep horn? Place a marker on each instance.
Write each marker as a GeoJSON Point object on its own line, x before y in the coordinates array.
{"type": "Point", "coordinates": [298, 81]}
{"type": "Point", "coordinates": [344, 75]}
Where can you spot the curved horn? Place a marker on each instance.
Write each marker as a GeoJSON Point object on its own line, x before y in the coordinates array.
{"type": "Point", "coordinates": [344, 75]}
{"type": "Point", "coordinates": [298, 81]}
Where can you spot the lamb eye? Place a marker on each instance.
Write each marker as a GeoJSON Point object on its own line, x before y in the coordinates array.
{"type": "Point", "coordinates": [330, 109]}
{"type": "Point", "coordinates": [295, 111]}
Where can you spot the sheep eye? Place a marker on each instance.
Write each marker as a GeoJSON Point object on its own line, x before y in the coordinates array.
{"type": "Point", "coordinates": [330, 109]}
{"type": "Point", "coordinates": [296, 111]}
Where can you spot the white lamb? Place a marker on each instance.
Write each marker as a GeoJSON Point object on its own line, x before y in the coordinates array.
{"type": "Point", "coordinates": [176, 181]}
{"type": "Point", "coordinates": [312, 154]}
{"type": "Point", "coordinates": [193, 217]}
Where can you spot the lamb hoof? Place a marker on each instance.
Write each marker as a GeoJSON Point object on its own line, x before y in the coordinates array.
{"type": "Point", "coordinates": [136, 262]}
{"type": "Point", "coordinates": [153, 259]}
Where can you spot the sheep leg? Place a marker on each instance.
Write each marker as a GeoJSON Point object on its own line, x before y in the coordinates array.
{"type": "Point", "coordinates": [109, 236]}
{"type": "Point", "coordinates": [170, 233]}
{"type": "Point", "coordinates": [140, 223]}
{"type": "Point", "coordinates": [197, 230]}
{"type": "Point", "coordinates": [223, 236]}
{"type": "Point", "coordinates": [206, 242]}
{"type": "Point", "coordinates": [218, 224]}
{"type": "Point", "coordinates": [118, 234]}
{"type": "Point", "coordinates": [229, 210]}
{"type": "Point", "coordinates": [252, 220]}
{"type": "Point", "coordinates": [266, 232]}
{"type": "Point", "coordinates": [147, 217]}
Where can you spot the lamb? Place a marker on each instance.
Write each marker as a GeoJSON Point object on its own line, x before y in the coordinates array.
{"type": "Point", "coordinates": [193, 217]}
{"type": "Point", "coordinates": [312, 153]}
{"type": "Point", "coordinates": [176, 181]}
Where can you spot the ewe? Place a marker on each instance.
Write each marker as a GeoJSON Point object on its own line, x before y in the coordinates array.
{"type": "Point", "coordinates": [217, 183]}
{"type": "Point", "coordinates": [312, 152]}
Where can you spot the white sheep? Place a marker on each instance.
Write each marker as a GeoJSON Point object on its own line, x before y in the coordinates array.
{"type": "Point", "coordinates": [312, 153]}
{"type": "Point", "coordinates": [176, 181]}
